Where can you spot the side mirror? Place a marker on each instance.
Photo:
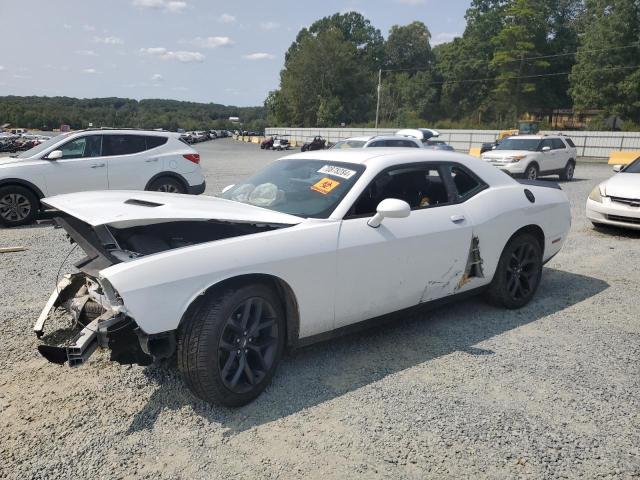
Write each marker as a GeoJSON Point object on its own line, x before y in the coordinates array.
{"type": "Point", "coordinates": [389, 208]}
{"type": "Point", "coordinates": [546, 149]}
{"type": "Point", "coordinates": [617, 168]}
{"type": "Point", "coordinates": [228, 187]}
{"type": "Point", "coordinates": [55, 155]}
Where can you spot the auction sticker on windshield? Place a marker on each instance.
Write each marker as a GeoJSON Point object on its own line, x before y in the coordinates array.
{"type": "Point", "coordinates": [325, 185]}
{"type": "Point", "coordinates": [337, 171]}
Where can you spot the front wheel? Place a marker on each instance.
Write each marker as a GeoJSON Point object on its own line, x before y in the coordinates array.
{"type": "Point", "coordinates": [230, 346]}
{"type": "Point", "coordinates": [18, 206]}
{"type": "Point", "coordinates": [518, 273]}
{"type": "Point", "coordinates": [531, 173]}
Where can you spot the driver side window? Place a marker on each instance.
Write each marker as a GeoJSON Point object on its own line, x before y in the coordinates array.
{"type": "Point", "coordinates": [419, 186]}
{"type": "Point", "coordinates": [83, 147]}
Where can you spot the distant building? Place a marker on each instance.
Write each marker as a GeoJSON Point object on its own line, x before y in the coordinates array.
{"type": "Point", "coordinates": [234, 119]}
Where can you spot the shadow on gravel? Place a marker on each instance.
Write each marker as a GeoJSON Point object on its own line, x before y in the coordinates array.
{"type": "Point", "coordinates": [612, 231]}
{"type": "Point", "coordinates": [322, 372]}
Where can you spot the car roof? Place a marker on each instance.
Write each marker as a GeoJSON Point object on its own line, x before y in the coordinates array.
{"type": "Point", "coordinates": [381, 158]}
{"type": "Point", "coordinates": [130, 131]}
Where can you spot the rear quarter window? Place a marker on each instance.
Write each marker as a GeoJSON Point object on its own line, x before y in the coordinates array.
{"type": "Point", "coordinates": [570, 142]}
{"type": "Point", "coordinates": [155, 141]}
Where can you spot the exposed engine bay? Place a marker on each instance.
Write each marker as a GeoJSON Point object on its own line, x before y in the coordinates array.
{"type": "Point", "coordinates": [96, 314]}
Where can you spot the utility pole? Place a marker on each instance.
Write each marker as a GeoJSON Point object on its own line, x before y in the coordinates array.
{"type": "Point", "coordinates": [518, 86]}
{"type": "Point", "coordinates": [378, 103]}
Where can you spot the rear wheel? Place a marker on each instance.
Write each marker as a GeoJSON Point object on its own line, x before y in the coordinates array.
{"type": "Point", "coordinates": [167, 184]}
{"type": "Point", "coordinates": [18, 206]}
{"type": "Point", "coordinates": [567, 173]}
{"type": "Point", "coordinates": [518, 273]}
{"type": "Point", "coordinates": [531, 173]}
{"type": "Point", "coordinates": [230, 346]}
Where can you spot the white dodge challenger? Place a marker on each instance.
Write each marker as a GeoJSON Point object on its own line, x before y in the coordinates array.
{"type": "Point", "coordinates": [314, 245]}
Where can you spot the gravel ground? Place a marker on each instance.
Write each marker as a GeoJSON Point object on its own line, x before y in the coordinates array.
{"type": "Point", "coordinates": [549, 391]}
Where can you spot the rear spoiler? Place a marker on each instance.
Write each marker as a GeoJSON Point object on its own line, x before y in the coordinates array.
{"type": "Point", "coordinates": [540, 183]}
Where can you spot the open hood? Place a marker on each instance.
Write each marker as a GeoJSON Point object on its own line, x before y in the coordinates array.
{"type": "Point", "coordinates": [125, 208]}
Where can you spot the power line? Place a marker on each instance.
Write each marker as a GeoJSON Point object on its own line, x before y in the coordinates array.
{"type": "Point", "coordinates": [418, 69]}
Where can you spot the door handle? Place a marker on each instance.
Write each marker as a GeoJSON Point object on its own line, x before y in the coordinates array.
{"type": "Point", "coordinates": [97, 165]}
{"type": "Point", "coordinates": [457, 218]}
{"type": "Point", "coordinates": [151, 160]}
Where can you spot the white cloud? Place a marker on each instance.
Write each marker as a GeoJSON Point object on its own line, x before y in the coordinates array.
{"type": "Point", "coordinates": [443, 37]}
{"type": "Point", "coordinates": [411, 2]}
{"type": "Point", "coordinates": [156, 77]}
{"type": "Point", "coordinates": [180, 89]}
{"type": "Point", "coordinates": [89, 71]}
{"type": "Point", "coordinates": [87, 53]}
{"type": "Point", "coordinates": [259, 56]}
{"type": "Point", "coordinates": [88, 28]}
{"type": "Point", "coordinates": [108, 40]}
{"type": "Point", "coordinates": [66, 26]}
{"type": "Point", "coordinates": [226, 18]}
{"type": "Point", "coordinates": [164, 54]}
{"type": "Point", "coordinates": [21, 77]}
{"type": "Point", "coordinates": [269, 25]}
{"type": "Point", "coordinates": [1, 68]}
{"type": "Point", "coordinates": [171, 6]}
{"type": "Point", "coordinates": [212, 42]}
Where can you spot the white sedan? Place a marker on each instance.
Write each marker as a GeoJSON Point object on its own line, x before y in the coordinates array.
{"type": "Point", "coordinates": [312, 246]}
{"type": "Point", "coordinates": [616, 202]}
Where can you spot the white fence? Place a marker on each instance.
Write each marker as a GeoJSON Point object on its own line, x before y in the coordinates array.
{"type": "Point", "coordinates": [589, 144]}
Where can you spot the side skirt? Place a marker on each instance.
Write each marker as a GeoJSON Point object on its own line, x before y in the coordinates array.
{"type": "Point", "coordinates": [385, 319]}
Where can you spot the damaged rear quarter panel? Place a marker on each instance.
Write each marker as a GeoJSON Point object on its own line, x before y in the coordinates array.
{"type": "Point", "coordinates": [157, 289]}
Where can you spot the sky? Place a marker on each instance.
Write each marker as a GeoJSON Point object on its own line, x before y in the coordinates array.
{"type": "Point", "coordinates": [198, 50]}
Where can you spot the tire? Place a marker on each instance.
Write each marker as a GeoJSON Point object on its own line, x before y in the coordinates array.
{"type": "Point", "coordinates": [567, 174]}
{"type": "Point", "coordinates": [518, 273]}
{"type": "Point", "coordinates": [18, 206]}
{"type": "Point", "coordinates": [531, 172]}
{"type": "Point", "coordinates": [207, 357]}
{"type": "Point", "coordinates": [168, 185]}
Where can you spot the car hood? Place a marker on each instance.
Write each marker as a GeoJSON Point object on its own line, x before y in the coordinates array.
{"type": "Point", "coordinates": [9, 160]}
{"type": "Point", "coordinates": [625, 185]}
{"type": "Point", "coordinates": [504, 153]}
{"type": "Point", "coordinates": [125, 208]}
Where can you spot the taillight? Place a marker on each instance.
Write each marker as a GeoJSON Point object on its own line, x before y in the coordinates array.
{"type": "Point", "coordinates": [192, 157]}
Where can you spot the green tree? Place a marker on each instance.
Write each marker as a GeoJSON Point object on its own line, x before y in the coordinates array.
{"type": "Point", "coordinates": [606, 74]}
{"type": "Point", "coordinates": [408, 47]}
{"type": "Point", "coordinates": [325, 70]}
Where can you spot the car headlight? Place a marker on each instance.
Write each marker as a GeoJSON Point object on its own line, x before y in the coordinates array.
{"type": "Point", "coordinates": [596, 194]}
{"type": "Point", "coordinates": [516, 158]}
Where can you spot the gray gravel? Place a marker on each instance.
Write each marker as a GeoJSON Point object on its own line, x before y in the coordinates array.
{"type": "Point", "coordinates": [549, 391]}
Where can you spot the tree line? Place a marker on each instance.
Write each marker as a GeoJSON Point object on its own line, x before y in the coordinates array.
{"type": "Point", "coordinates": [514, 57]}
{"type": "Point", "coordinates": [51, 112]}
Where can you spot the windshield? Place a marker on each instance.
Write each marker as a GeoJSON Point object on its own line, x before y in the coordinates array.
{"type": "Point", "coordinates": [350, 144]}
{"type": "Point", "coordinates": [305, 188]}
{"type": "Point", "coordinates": [40, 148]}
{"type": "Point", "coordinates": [519, 144]}
{"type": "Point", "coordinates": [633, 167]}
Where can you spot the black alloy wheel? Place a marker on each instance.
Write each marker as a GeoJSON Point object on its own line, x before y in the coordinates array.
{"type": "Point", "coordinates": [248, 346]}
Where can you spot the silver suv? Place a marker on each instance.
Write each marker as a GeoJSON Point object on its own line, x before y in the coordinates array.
{"type": "Point", "coordinates": [532, 156]}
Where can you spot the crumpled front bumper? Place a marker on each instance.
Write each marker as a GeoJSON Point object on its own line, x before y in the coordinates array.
{"type": "Point", "coordinates": [92, 322]}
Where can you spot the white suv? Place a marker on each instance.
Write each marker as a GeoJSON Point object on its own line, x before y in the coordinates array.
{"type": "Point", "coordinates": [96, 160]}
{"type": "Point", "coordinates": [532, 156]}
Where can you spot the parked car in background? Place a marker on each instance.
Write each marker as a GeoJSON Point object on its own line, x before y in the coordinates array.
{"type": "Point", "coordinates": [227, 284]}
{"type": "Point", "coordinates": [532, 156]}
{"type": "Point", "coordinates": [616, 202]}
{"type": "Point", "coordinates": [437, 145]}
{"type": "Point", "coordinates": [96, 160]}
{"type": "Point", "coordinates": [377, 141]}
{"type": "Point", "coordinates": [275, 142]}
{"type": "Point", "coordinates": [318, 143]}
{"type": "Point", "coordinates": [421, 134]}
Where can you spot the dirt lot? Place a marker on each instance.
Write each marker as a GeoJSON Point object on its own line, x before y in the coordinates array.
{"type": "Point", "coordinates": [549, 391]}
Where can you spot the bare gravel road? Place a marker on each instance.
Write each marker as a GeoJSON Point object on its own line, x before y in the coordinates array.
{"type": "Point", "coordinates": [465, 391]}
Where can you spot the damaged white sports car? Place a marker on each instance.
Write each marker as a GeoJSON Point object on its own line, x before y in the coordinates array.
{"type": "Point", "coordinates": [313, 245]}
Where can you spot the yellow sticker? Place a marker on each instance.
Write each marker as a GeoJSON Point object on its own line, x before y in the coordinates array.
{"type": "Point", "coordinates": [325, 185]}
